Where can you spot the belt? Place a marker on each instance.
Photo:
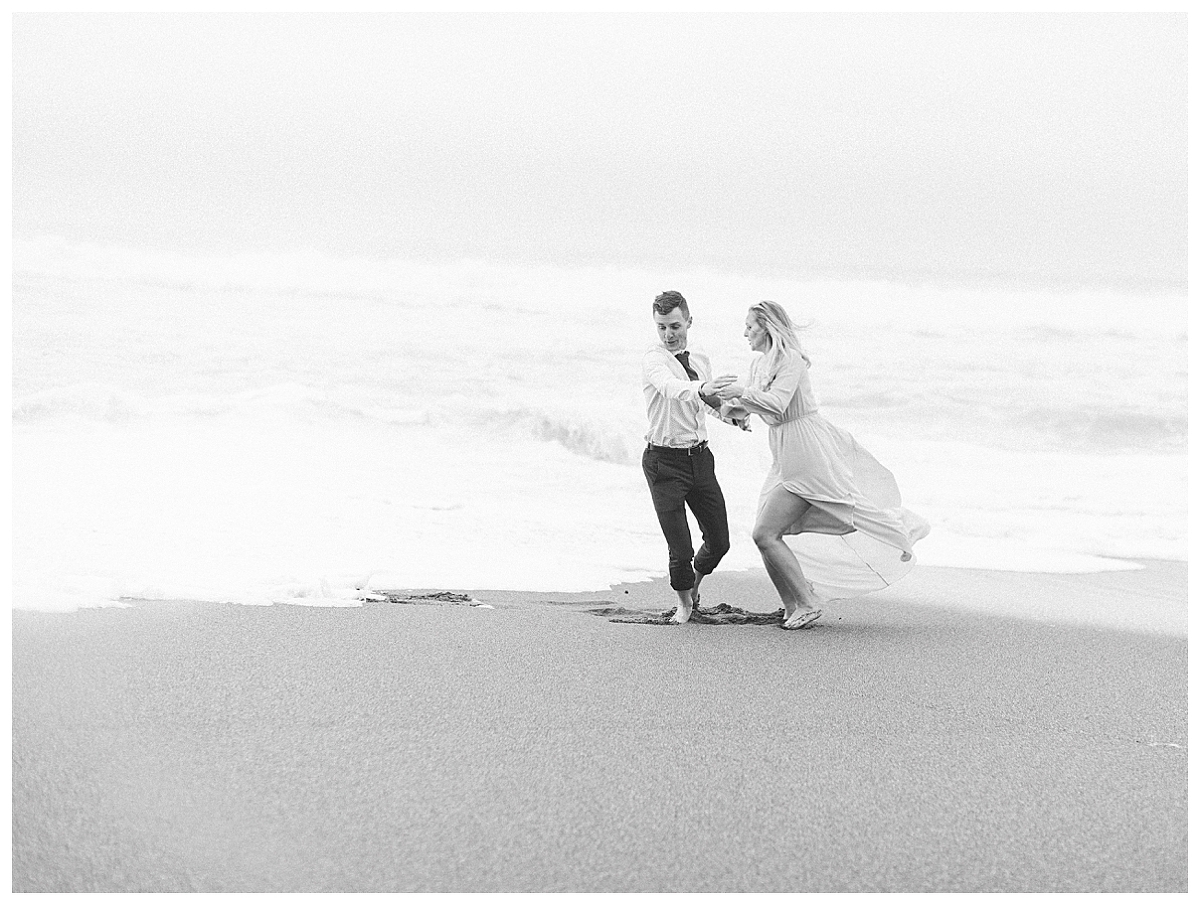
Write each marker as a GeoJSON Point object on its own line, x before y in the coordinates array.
{"type": "Point", "coordinates": [681, 450]}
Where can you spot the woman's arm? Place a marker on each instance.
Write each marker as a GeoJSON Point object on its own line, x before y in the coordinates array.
{"type": "Point", "coordinates": [774, 400]}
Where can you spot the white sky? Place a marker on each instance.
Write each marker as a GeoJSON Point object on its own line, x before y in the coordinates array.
{"type": "Point", "coordinates": [1044, 147]}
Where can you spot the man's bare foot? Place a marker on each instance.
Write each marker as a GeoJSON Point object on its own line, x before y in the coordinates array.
{"type": "Point", "coordinates": [682, 615]}
{"type": "Point", "coordinates": [683, 612]}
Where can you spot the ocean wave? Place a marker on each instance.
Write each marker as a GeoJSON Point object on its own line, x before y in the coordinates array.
{"type": "Point", "coordinates": [591, 438]}
{"type": "Point", "coordinates": [1108, 428]}
{"type": "Point", "coordinates": [460, 283]}
{"type": "Point", "coordinates": [104, 402]}
{"type": "Point", "coordinates": [91, 400]}
{"type": "Point", "coordinates": [591, 441]}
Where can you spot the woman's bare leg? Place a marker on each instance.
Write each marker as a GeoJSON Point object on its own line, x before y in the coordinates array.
{"type": "Point", "coordinates": [781, 510]}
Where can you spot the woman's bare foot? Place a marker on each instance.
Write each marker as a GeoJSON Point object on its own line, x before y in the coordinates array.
{"type": "Point", "coordinates": [800, 618]}
{"type": "Point", "coordinates": [790, 611]}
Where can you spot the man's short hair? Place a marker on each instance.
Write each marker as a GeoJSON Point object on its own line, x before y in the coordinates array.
{"type": "Point", "coordinates": [668, 301]}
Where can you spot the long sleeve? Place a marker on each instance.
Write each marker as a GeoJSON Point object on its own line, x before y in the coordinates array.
{"type": "Point", "coordinates": [774, 400]}
{"type": "Point", "coordinates": [657, 374]}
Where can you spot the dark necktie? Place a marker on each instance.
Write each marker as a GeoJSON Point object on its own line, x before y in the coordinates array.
{"type": "Point", "coordinates": [682, 358]}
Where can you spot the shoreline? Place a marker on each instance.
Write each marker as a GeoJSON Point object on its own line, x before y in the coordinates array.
{"type": "Point", "coordinates": [1151, 598]}
{"type": "Point", "coordinates": [907, 742]}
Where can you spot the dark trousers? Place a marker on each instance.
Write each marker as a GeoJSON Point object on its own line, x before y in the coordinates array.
{"type": "Point", "coordinates": [675, 478]}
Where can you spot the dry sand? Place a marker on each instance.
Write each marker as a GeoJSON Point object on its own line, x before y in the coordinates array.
{"type": "Point", "coordinates": [913, 741]}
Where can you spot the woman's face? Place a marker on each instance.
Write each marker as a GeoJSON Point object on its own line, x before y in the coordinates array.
{"type": "Point", "coordinates": [756, 334]}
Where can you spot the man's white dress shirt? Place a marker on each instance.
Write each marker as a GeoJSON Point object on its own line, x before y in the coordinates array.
{"type": "Point", "coordinates": [673, 403]}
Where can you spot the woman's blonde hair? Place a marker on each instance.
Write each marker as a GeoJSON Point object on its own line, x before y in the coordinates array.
{"type": "Point", "coordinates": [772, 317]}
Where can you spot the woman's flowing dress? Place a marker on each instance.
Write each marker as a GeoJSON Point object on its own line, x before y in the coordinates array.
{"type": "Point", "coordinates": [856, 537]}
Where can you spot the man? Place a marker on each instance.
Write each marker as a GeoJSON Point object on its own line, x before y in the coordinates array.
{"type": "Point", "coordinates": [678, 464]}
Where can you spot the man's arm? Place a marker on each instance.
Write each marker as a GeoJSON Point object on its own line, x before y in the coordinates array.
{"type": "Point", "coordinates": [657, 373]}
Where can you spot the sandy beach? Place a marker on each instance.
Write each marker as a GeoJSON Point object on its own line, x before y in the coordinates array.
{"type": "Point", "coordinates": [325, 323]}
{"type": "Point", "coordinates": [965, 731]}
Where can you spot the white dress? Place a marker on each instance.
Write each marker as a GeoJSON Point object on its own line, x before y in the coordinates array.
{"type": "Point", "coordinates": [855, 537]}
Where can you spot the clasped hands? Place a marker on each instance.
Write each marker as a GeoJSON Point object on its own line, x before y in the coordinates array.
{"type": "Point", "coordinates": [726, 386]}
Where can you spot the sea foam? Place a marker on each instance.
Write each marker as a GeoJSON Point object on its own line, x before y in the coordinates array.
{"type": "Point", "coordinates": [264, 429]}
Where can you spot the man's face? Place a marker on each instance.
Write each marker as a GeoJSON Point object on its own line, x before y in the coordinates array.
{"type": "Point", "coordinates": [672, 329]}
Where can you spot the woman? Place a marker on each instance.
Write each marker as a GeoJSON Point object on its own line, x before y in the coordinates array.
{"type": "Point", "coordinates": [856, 536]}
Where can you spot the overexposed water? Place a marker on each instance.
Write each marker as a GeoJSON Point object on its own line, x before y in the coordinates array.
{"type": "Point", "coordinates": [264, 429]}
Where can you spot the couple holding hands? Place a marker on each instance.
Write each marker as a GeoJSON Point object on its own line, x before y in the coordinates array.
{"type": "Point", "coordinates": [854, 536]}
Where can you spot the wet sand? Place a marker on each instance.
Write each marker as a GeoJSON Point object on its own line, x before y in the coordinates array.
{"type": "Point", "coordinates": [924, 738]}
